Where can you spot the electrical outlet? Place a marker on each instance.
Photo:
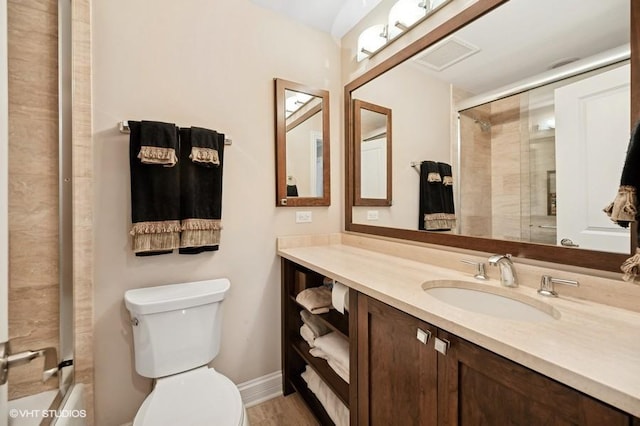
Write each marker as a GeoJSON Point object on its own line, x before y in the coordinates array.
{"type": "Point", "coordinates": [372, 214]}
{"type": "Point", "coordinates": [304, 217]}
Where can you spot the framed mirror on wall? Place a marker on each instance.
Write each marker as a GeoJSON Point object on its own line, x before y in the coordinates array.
{"type": "Point", "coordinates": [302, 145]}
{"type": "Point", "coordinates": [530, 174]}
{"type": "Point", "coordinates": [372, 154]}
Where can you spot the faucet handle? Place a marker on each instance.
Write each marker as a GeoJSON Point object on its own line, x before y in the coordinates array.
{"type": "Point", "coordinates": [547, 285]}
{"type": "Point", "coordinates": [480, 270]}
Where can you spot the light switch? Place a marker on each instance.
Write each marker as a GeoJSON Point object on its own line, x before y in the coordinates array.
{"type": "Point", "coordinates": [303, 217]}
{"type": "Point", "coordinates": [423, 336]}
{"type": "Point", "coordinates": [372, 214]}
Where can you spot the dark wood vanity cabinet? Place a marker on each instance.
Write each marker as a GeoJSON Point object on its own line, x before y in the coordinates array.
{"type": "Point", "coordinates": [406, 382]}
{"type": "Point", "coordinates": [398, 378]}
{"type": "Point", "coordinates": [478, 387]}
{"type": "Point", "coordinates": [397, 375]}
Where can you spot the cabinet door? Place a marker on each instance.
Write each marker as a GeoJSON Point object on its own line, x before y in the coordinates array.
{"type": "Point", "coordinates": [478, 387]}
{"type": "Point", "coordinates": [397, 373]}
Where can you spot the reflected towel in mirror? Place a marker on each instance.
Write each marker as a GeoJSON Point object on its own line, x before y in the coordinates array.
{"type": "Point", "coordinates": [624, 209]}
{"type": "Point", "coordinates": [436, 206]}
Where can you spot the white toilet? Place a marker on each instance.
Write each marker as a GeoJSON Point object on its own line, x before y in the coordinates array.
{"type": "Point", "coordinates": [176, 333]}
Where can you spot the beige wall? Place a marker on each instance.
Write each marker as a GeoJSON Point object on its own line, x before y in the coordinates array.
{"type": "Point", "coordinates": [420, 111]}
{"type": "Point", "coordinates": [210, 64]}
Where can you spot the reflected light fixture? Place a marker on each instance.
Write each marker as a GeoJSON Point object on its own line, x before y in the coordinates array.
{"type": "Point", "coordinates": [370, 40]}
{"type": "Point", "coordinates": [294, 101]}
{"type": "Point", "coordinates": [405, 13]}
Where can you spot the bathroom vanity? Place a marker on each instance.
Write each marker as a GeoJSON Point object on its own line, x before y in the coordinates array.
{"type": "Point", "coordinates": [418, 360]}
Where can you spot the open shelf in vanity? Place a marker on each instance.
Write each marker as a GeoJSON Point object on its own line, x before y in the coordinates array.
{"type": "Point", "coordinates": [295, 350]}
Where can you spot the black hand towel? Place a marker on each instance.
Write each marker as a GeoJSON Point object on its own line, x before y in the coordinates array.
{"type": "Point", "coordinates": [436, 209]}
{"type": "Point", "coordinates": [447, 194]}
{"type": "Point", "coordinates": [201, 190]}
{"type": "Point", "coordinates": [155, 197]}
{"type": "Point", "coordinates": [158, 143]}
{"type": "Point", "coordinates": [204, 147]}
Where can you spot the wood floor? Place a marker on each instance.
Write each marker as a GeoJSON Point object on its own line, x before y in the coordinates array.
{"type": "Point", "coordinates": [282, 411]}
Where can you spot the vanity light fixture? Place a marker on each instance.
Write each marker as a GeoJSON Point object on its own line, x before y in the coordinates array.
{"type": "Point", "coordinates": [405, 13]}
{"type": "Point", "coordinates": [370, 40]}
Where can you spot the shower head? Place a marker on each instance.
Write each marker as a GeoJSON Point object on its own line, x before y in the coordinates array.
{"type": "Point", "coordinates": [484, 126]}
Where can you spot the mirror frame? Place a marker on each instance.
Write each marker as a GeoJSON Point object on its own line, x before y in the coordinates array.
{"type": "Point", "coordinates": [358, 106]}
{"type": "Point", "coordinates": [282, 200]}
{"type": "Point", "coordinates": [556, 254]}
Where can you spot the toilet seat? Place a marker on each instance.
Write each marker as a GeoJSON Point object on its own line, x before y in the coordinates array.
{"type": "Point", "coordinates": [197, 397]}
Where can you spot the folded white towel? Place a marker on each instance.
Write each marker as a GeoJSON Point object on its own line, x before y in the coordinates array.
{"type": "Point", "coordinates": [337, 411]}
{"type": "Point", "coordinates": [316, 300]}
{"type": "Point", "coordinates": [318, 353]}
{"type": "Point", "coordinates": [339, 369]}
{"type": "Point", "coordinates": [336, 347]}
{"type": "Point", "coordinates": [316, 325]}
{"type": "Point", "coordinates": [307, 335]}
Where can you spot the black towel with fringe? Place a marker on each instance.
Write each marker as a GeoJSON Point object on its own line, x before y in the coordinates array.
{"type": "Point", "coordinates": [201, 163]}
{"type": "Point", "coordinates": [436, 209]}
{"type": "Point", "coordinates": [624, 209]}
{"type": "Point", "coordinates": [447, 192]}
{"type": "Point", "coordinates": [155, 190]}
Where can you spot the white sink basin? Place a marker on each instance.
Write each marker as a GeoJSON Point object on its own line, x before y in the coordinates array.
{"type": "Point", "coordinates": [492, 301]}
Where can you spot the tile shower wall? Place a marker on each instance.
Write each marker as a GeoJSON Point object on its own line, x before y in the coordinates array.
{"type": "Point", "coordinates": [33, 192]}
{"type": "Point", "coordinates": [505, 168]}
{"type": "Point", "coordinates": [493, 182]}
{"type": "Point", "coordinates": [82, 177]}
{"type": "Point", "coordinates": [33, 186]}
{"type": "Point", "coordinates": [475, 183]}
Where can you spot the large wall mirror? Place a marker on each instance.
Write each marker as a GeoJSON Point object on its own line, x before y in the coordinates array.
{"type": "Point", "coordinates": [372, 154]}
{"type": "Point", "coordinates": [302, 145]}
{"type": "Point", "coordinates": [535, 126]}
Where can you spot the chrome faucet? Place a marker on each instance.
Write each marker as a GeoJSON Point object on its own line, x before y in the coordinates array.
{"type": "Point", "coordinates": [508, 276]}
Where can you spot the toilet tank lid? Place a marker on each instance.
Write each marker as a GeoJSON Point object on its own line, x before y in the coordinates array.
{"type": "Point", "coordinates": [175, 296]}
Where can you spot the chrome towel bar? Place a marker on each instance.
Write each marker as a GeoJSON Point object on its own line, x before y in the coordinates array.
{"type": "Point", "coordinates": [123, 126]}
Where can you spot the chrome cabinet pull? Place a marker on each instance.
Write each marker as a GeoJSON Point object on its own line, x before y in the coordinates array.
{"type": "Point", "coordinates": [441, 345]}
{"type": "Point", "coordinates": [423, 336]}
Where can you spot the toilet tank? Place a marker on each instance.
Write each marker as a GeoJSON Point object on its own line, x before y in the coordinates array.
{"type": "Point", "coordinates": [176, 327]}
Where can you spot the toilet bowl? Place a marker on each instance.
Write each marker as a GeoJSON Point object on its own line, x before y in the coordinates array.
{"type": "Point", "coordinates": [176, 333]}
{"type": "Point", "coordinates": [197, 397]}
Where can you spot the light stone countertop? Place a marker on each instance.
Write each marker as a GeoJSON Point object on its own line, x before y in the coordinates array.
{"type": "Point", "coordinates": [592, 347]}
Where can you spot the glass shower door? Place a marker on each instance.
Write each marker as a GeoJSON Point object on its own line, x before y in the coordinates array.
{"type": "Point", "coordinates": [4, 238]}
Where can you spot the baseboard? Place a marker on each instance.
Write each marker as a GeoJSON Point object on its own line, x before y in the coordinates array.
{"type": "Point", "coordinates": [263, 388]}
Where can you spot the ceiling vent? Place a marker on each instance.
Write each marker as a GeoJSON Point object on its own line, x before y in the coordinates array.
{"type": "Point", "coordinates": [446, 53]}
